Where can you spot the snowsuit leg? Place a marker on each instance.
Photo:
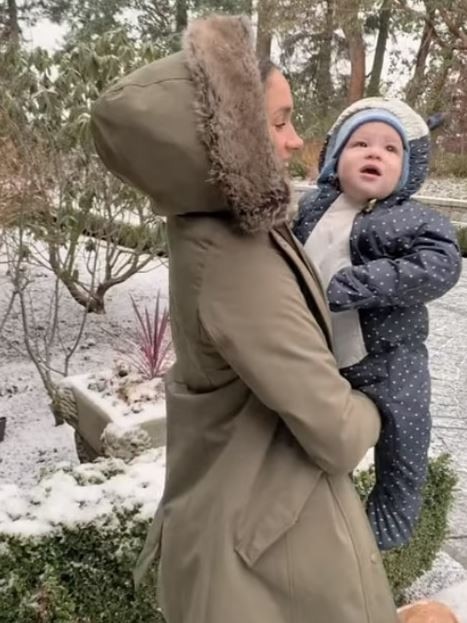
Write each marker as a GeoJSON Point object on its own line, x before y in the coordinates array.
{"type": "Point", "coordinates": [399, 383]}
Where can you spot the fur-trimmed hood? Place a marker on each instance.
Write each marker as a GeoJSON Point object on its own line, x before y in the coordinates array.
{"type": "Point", "coordinates": [190, 130]}
{"type": "Point", "coordinates": [416, 131]}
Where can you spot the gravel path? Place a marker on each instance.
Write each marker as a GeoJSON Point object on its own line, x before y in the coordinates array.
{"type": "Point", "coordinates": [447, 187]}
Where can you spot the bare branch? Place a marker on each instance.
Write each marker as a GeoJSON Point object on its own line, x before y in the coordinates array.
{"type": "Point", "coordinates": [455, 28]}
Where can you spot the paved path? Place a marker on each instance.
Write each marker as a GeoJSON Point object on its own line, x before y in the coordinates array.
{"type": "Point", "coordinates": [456, 598]}
{"type": "Point", "coordinates": [448, 359]}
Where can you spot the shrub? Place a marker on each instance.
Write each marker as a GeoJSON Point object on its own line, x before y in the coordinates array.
{"type": "Point", "coordinates": [68, 547]}
{"type": "Point", "coordinates": [444, 164]}
{"type": "Point", "coordinates": [153, 342]}
{"type": "Point", "coordinates": [404, 565]}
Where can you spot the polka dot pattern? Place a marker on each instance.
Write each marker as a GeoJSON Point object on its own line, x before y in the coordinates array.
{"type": "Point", "coordinates": [398, 381]}
{"type": "Point", "coordinates": [403, 255]}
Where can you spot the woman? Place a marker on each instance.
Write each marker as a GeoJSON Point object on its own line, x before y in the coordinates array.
{"type": "Point", "coordinates": [259, 520]}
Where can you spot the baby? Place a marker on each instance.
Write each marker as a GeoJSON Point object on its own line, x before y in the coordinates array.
{"type": "Point", "coordinates": [382, 256]}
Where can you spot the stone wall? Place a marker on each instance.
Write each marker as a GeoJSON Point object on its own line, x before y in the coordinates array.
{"type": "Point", "coordinates": [455, 209]}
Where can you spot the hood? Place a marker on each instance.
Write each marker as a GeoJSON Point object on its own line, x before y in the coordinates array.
{"type": "Point", "coordinates": [416, 138]}
{"type": "Point", "coordinates": [190, 130]}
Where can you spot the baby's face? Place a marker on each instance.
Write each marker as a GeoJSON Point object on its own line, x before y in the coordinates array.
{"type": "Point", "coordinates": [370, 164]}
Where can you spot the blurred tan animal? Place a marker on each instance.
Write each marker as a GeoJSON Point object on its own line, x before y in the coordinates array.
{"type": "Point", "coordinates": [426, 612]}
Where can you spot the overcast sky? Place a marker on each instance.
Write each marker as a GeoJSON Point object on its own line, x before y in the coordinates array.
{"type": "Point", "coordinates": [49, 36]}
{"type": "Point", "coordinates": [44, 34]}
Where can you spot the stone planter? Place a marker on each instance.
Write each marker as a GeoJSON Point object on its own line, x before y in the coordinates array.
{"type": "Point", "coordinates": [113, 416]}
{"type": "Point", "coordinates": [107, 425]}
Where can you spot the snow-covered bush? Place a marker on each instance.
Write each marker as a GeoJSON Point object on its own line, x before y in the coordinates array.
{"type": "Point", "coordinates": [406, 564]}
{"type": "Point", "coordinates": [68, 546]}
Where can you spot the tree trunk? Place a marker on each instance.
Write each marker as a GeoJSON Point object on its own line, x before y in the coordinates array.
{"type": "Point", "coordinates": [324, 79]}
{"type": "Point", "coordinates": [181, 15]}
{"type": "Point", "coordinates": [353, 33]}
{"type": "Point", "coordinates": [248, 9]}
{"type": "Point", "coordinates": [383, 33]}
{"type": "Point", "coordinates": [13, 29]}
{"type": "Point", "coordinates": [415, 86]}
{"type": "Point", "coordinates": [264, 30]}
{"type": "Point", "coordinates": [438, 101]}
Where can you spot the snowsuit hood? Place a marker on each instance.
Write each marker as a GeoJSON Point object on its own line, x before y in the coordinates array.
{"type": "Point", "coordinates": [416, 139]}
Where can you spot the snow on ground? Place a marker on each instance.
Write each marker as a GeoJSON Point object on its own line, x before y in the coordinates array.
{"type": "Point", "coordinates": [32, 441]}
{"type": "Point", "coordinates": [85, 494]}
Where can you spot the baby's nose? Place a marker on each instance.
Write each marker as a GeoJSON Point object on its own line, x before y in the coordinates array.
{"type": "Point", "coordinates": [374, 152]}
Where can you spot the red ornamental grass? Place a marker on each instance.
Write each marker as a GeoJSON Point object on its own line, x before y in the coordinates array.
{"type": "Point", "coordinates": [153, 343]}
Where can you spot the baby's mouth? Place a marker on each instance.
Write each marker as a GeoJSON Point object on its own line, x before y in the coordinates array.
{"type": "Point", "coordinates": [371, 169]}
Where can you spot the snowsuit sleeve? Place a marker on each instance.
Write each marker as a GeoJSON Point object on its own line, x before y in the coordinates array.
{"type": "Point", "coordinates": [308, 214]}
{"type": "Point", "coordinates": [429, 264]}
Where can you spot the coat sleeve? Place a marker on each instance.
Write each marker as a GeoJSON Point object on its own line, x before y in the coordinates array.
{"type": "Point", "coordinates": [258, 320]}
{"type": "Point", "coordinates": [430, 266]}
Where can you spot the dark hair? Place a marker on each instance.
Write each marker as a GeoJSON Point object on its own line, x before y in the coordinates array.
{"type": "Point", "coordinates": [266, 66]}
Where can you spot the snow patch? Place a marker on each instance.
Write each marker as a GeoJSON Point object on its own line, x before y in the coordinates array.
{"type": "Point", "coordinates": [83, 495]}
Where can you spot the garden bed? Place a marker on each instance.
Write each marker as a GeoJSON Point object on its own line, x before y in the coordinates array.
{"type": "Point", "coordinates": [69, 545]}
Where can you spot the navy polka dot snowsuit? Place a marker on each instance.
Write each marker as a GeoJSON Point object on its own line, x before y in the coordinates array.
{"type": "Point", "coordinates": [403, 255]}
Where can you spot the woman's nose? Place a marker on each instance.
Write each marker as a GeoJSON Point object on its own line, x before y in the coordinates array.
{"type": "Point", "coordinates": [295, 143]}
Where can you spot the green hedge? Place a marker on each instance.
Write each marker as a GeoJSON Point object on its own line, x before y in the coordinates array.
{"type": "Point", "coordinates": [445, 164]}
{"type": "Point", "coordinates": [144, 238]}
{"type": "Point", "coordinates": [57, 570]}
{"type": "Point", "coordinates": [406, 564]}
{"type": "Point", "coordinates": [76, 576]}
{"type": "Point", "coordinates": [462, 238]}
{"type": "Point", "coordinates": [147, 237]}
{"type": "Point", "coordinates": [68, 547]}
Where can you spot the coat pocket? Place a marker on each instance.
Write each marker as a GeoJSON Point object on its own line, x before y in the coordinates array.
{"type": "Point", "coordinates": [274, 507]}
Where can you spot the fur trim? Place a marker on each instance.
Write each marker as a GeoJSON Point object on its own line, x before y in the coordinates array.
{"type": "Point", "coordinates": [231, 119]}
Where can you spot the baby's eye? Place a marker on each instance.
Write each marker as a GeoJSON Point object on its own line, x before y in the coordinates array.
{"type": "Point", "coordinates": [279, 126]}
{"type": "Point", "coordinates": [360, 144]}
{"type": "Point", "coordinates": [392, 148]}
